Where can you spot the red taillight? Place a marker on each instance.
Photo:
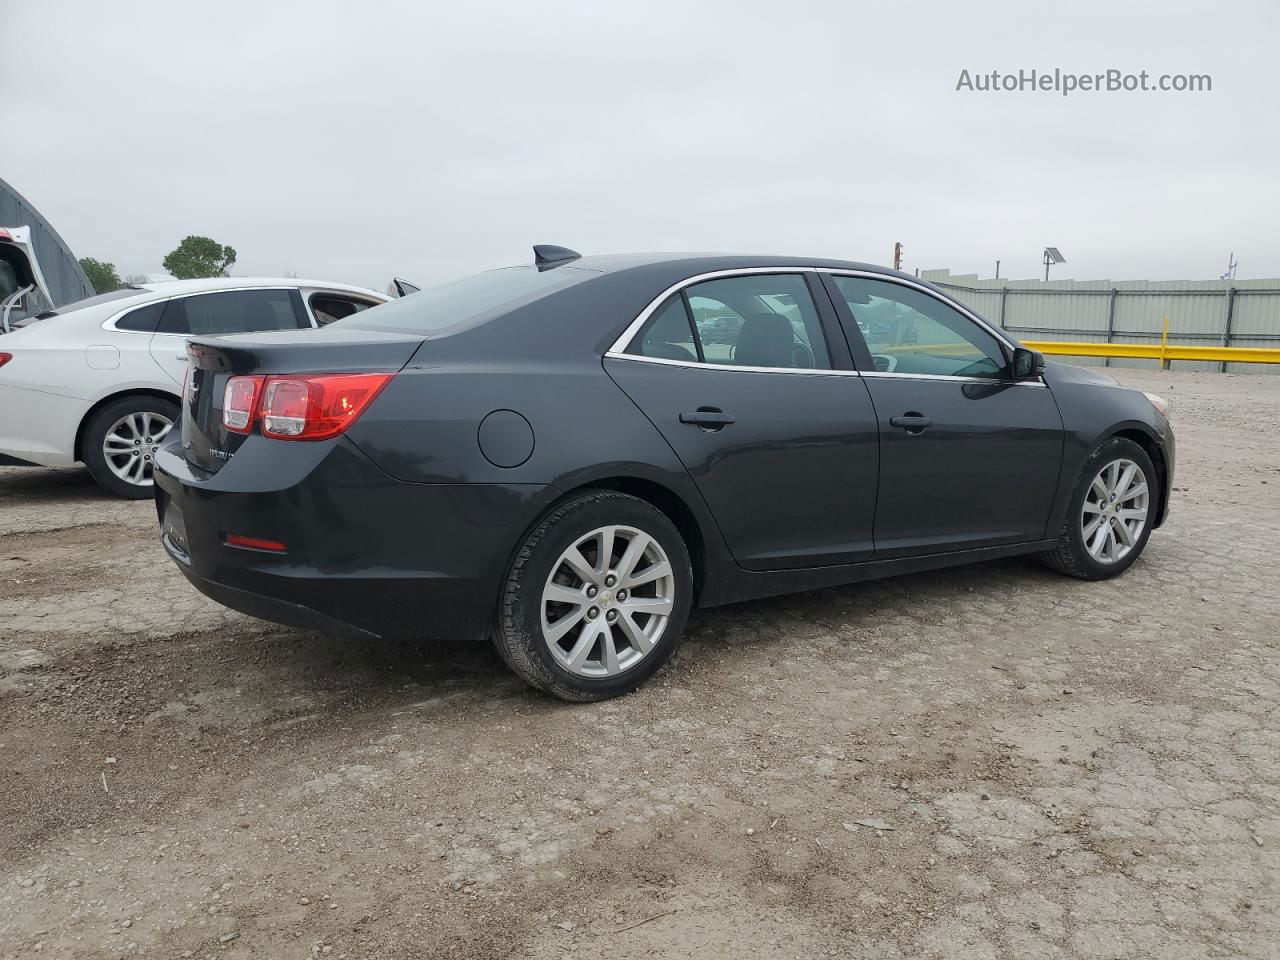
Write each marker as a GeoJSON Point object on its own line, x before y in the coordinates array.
{"type": "Point", "coordinates": [316, 406]}
{"type": "Point", "coordinates": [5, 358]}
{"type": "Point", "coordinates": [239, 401]}
{"type": "Point", "coordinates": [254, 543]}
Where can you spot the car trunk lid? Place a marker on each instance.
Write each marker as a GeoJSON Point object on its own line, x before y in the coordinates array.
{"type": "Point", "coordinates": [20, 278]}
{"type": "Point", "coordinates": [207, 444]}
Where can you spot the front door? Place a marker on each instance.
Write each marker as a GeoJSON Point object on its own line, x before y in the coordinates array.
{"type": "Point", "coordinates": [968, 457]}
{"type": "Point", "coordinates": [736, 374]}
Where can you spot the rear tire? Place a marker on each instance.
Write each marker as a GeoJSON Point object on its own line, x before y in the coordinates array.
{"type": "Point", "coordinates": [120, 441]}
{"type": "Point", "coordinates": [597, 598]}
{"type": "Point", "coordinates": [1106, 496]}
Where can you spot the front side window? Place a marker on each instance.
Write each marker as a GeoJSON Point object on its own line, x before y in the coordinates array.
{"type": "Point", "coordinates": [910, 332]}
{"type": "Point", "coordinates": [329, 307]}
{"type": "Point", "coordinates": [235, 311]}
{"type": "Point", "coordinates": [757, 320]}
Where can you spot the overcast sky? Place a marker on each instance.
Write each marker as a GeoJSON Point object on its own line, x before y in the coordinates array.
{"type": "Point", "coordinates": [354, 141]}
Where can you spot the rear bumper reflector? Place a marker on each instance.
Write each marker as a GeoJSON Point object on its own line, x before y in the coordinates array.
{"type": "Point", "coordinates": [254, 543]}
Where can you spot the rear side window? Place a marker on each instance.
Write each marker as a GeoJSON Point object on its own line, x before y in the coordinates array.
{"type": "Point", "coordinates": [669, 335]}
{"type": "Point", "coordinates": [462, 302]}
{"type": "Point", "coordinates": [760, 320]}
{"type": "Point", "coordinates": [143, 320]}
{"type": "Point", "coordinates": [235, 311]}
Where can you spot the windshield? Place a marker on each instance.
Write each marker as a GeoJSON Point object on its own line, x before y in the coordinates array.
{"type": "Point", "coordinates": [448, 306]}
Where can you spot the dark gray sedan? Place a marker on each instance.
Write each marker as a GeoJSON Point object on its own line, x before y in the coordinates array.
{"type": "Point", "coordinates": [568, 456]}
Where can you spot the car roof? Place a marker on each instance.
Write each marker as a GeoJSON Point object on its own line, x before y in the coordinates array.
{"type": "Point", "coordinates": [616, 262]}
{"type": "Point", "coordinates": [180, 287]}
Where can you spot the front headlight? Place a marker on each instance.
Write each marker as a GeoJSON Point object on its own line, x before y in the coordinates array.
{"type": "Point", "coordinates": [1160, 403]}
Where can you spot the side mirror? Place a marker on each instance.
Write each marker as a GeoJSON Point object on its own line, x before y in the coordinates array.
{"type": "Point", "coordinates": [1027, 364]}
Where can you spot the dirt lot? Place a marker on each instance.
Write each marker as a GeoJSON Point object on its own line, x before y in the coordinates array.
{"type": "Point", "coordinates": [1061, 769]}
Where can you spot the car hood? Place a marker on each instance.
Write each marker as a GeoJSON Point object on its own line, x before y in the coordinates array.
{"type": "Point", "coordinates": [1055, 372]}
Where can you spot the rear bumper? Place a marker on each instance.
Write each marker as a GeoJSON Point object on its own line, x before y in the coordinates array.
{"type": "Point", "coordinates": [268, 608]}
{"type": "Point", "coordinates": [366, 554]}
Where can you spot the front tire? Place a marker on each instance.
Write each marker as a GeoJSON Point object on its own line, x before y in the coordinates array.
{"type": "Point", "coordinates": [1110, 514]}
{"type": "Point", "coordinates": [597, 598]}
{"type": "Point", "coordinates": [121, 440]}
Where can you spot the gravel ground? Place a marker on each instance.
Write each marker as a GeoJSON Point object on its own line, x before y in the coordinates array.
{"type": "Point", "coordinates": [985, 762]}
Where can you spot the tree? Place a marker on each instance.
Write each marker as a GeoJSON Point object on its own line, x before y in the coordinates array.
{"type": "Point", "coordinates": [199, 257]}
{"type": "Point", "coordinates": [102, 275]}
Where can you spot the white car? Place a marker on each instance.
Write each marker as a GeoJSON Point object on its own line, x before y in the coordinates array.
{"type": "Point", "coordinates": [99, 381]}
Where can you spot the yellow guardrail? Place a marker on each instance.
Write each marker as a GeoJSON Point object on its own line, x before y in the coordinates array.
{"type": "Point", "coordinates": [1164, 352]}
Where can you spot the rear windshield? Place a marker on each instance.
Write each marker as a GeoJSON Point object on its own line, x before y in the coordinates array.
{"type": "Point", "coordinates": [122, 294]}
{"type": "Point", "coordinates": [434, 310]}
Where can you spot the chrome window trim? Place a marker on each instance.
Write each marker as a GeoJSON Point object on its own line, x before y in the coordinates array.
{"type": "Point", "coordinates": [732, 368]}
{"type": "Point", "coordinates": [694, 365]}
{"type": "Point", "coordinates": [110, 322]}
{"type": "Point", "coordinates": [884, 375]}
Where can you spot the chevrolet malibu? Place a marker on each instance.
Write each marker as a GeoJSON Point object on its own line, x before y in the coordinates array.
{"type": "Point", "coordinates": [569, 456]}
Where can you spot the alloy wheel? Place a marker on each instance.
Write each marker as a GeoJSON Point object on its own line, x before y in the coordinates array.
{"type": "Point", "coordinates": [607, 601]}
{"type": "Point", "coordinates": [130, 445]}
{"type": "Point", "coordinates": [1114, 513]}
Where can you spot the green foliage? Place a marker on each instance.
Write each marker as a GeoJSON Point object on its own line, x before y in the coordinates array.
{"type": "Point", "coordinates": [101, 274]}
{"type": "Point", "coordinates": [199, 257]}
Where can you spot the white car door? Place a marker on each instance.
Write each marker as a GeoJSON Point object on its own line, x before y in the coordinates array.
{"type": "Point", "coordinates": [222, 312]}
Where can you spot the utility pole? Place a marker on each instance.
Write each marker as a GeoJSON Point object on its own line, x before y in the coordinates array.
{"type": "Point", "coordinates": [997, 269]}
{"type": "Point", "coordinates": [897, 256]}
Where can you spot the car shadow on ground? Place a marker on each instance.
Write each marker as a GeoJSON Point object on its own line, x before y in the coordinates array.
{"type": "Point", "coordinates": [370, 674]}
{"type": "Point", "coordinates": [49, 485]}
{"type": "Point", "coordinates": [200, 704]}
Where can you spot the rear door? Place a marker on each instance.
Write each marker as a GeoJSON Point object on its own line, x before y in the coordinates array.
{"type": "Point", "coordinates": [737, 373]}
{"type": "Point", "coordinates": [222, 312]}
{"type": "Point", "coordinates": [968, 457]}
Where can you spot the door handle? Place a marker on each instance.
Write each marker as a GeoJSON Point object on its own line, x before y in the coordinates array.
{"type": "Point", "coordinates": [912, 422]}
{"type": "Point", "coordinates": [708, 418]}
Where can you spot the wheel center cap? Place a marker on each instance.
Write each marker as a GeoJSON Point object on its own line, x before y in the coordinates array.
{"type": "Point", "coordinates": [605, 598]}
